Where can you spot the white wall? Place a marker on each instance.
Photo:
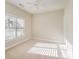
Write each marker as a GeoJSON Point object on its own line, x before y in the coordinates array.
{"type": "Point", "coordinates": [68, 21]}
{"type": "Point", "coordinates": [48, 26]}
{"type": "Point", "coordinates": [10, 9]}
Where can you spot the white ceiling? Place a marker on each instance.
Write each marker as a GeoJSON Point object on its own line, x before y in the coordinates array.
{"type": "Point", "coordinates": [40, 6]}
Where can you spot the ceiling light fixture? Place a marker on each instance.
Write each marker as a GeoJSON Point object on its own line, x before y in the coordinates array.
{"type": "Point", "coordinates": [36, 4]}
{"type": "Point", "coordinates": [21, 5]}
{"type": "Point", "coordinates": [34, 0]}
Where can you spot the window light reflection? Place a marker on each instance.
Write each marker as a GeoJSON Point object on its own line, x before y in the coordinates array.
{"type": "Point", "coordinates": [44, 49]}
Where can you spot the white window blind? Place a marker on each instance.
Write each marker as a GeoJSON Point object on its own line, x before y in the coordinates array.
{"type": "Point", "coordinates": [14, 27]}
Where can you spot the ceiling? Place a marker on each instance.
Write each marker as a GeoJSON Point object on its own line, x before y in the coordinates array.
{"type": "Point", "coordinates": [39, 6]}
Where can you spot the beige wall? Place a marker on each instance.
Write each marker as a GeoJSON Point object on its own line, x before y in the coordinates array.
{"type": "Point", "coordinates": [48, 26]}
{"type": "Point", "coordinates": [10, 9]}
{"type": "Point", "coordinates": [68, 21]}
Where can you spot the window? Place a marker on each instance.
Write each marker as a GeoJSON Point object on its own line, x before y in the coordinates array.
{"type": "Point", "coordinates": [14, 27]}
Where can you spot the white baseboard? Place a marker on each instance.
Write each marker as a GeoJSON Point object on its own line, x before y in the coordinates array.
{"type": "Point", "coordinates": [15, 44]}
{"type": "Point", "coordinates": [48, 40]}
{"type": "Point", "coordinates": [35, 38]}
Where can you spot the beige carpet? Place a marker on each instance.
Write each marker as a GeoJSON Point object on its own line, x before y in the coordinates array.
{"type": "Point", "coordinates": [34, 49]}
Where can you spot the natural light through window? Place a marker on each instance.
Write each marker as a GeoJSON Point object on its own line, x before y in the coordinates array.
{"type": "Point", "coordinates": [47, 45]}
{"type": "Point", "coordinates": [14, 27]}
{"type": "Point", "coordinates": [66, 53]}
{"type": "Point", "coordinates": [44, 49]}
{"type": "Point", "coordinates": [54, 50]}
{"type": "Point", "coordinates": [66, 50]}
